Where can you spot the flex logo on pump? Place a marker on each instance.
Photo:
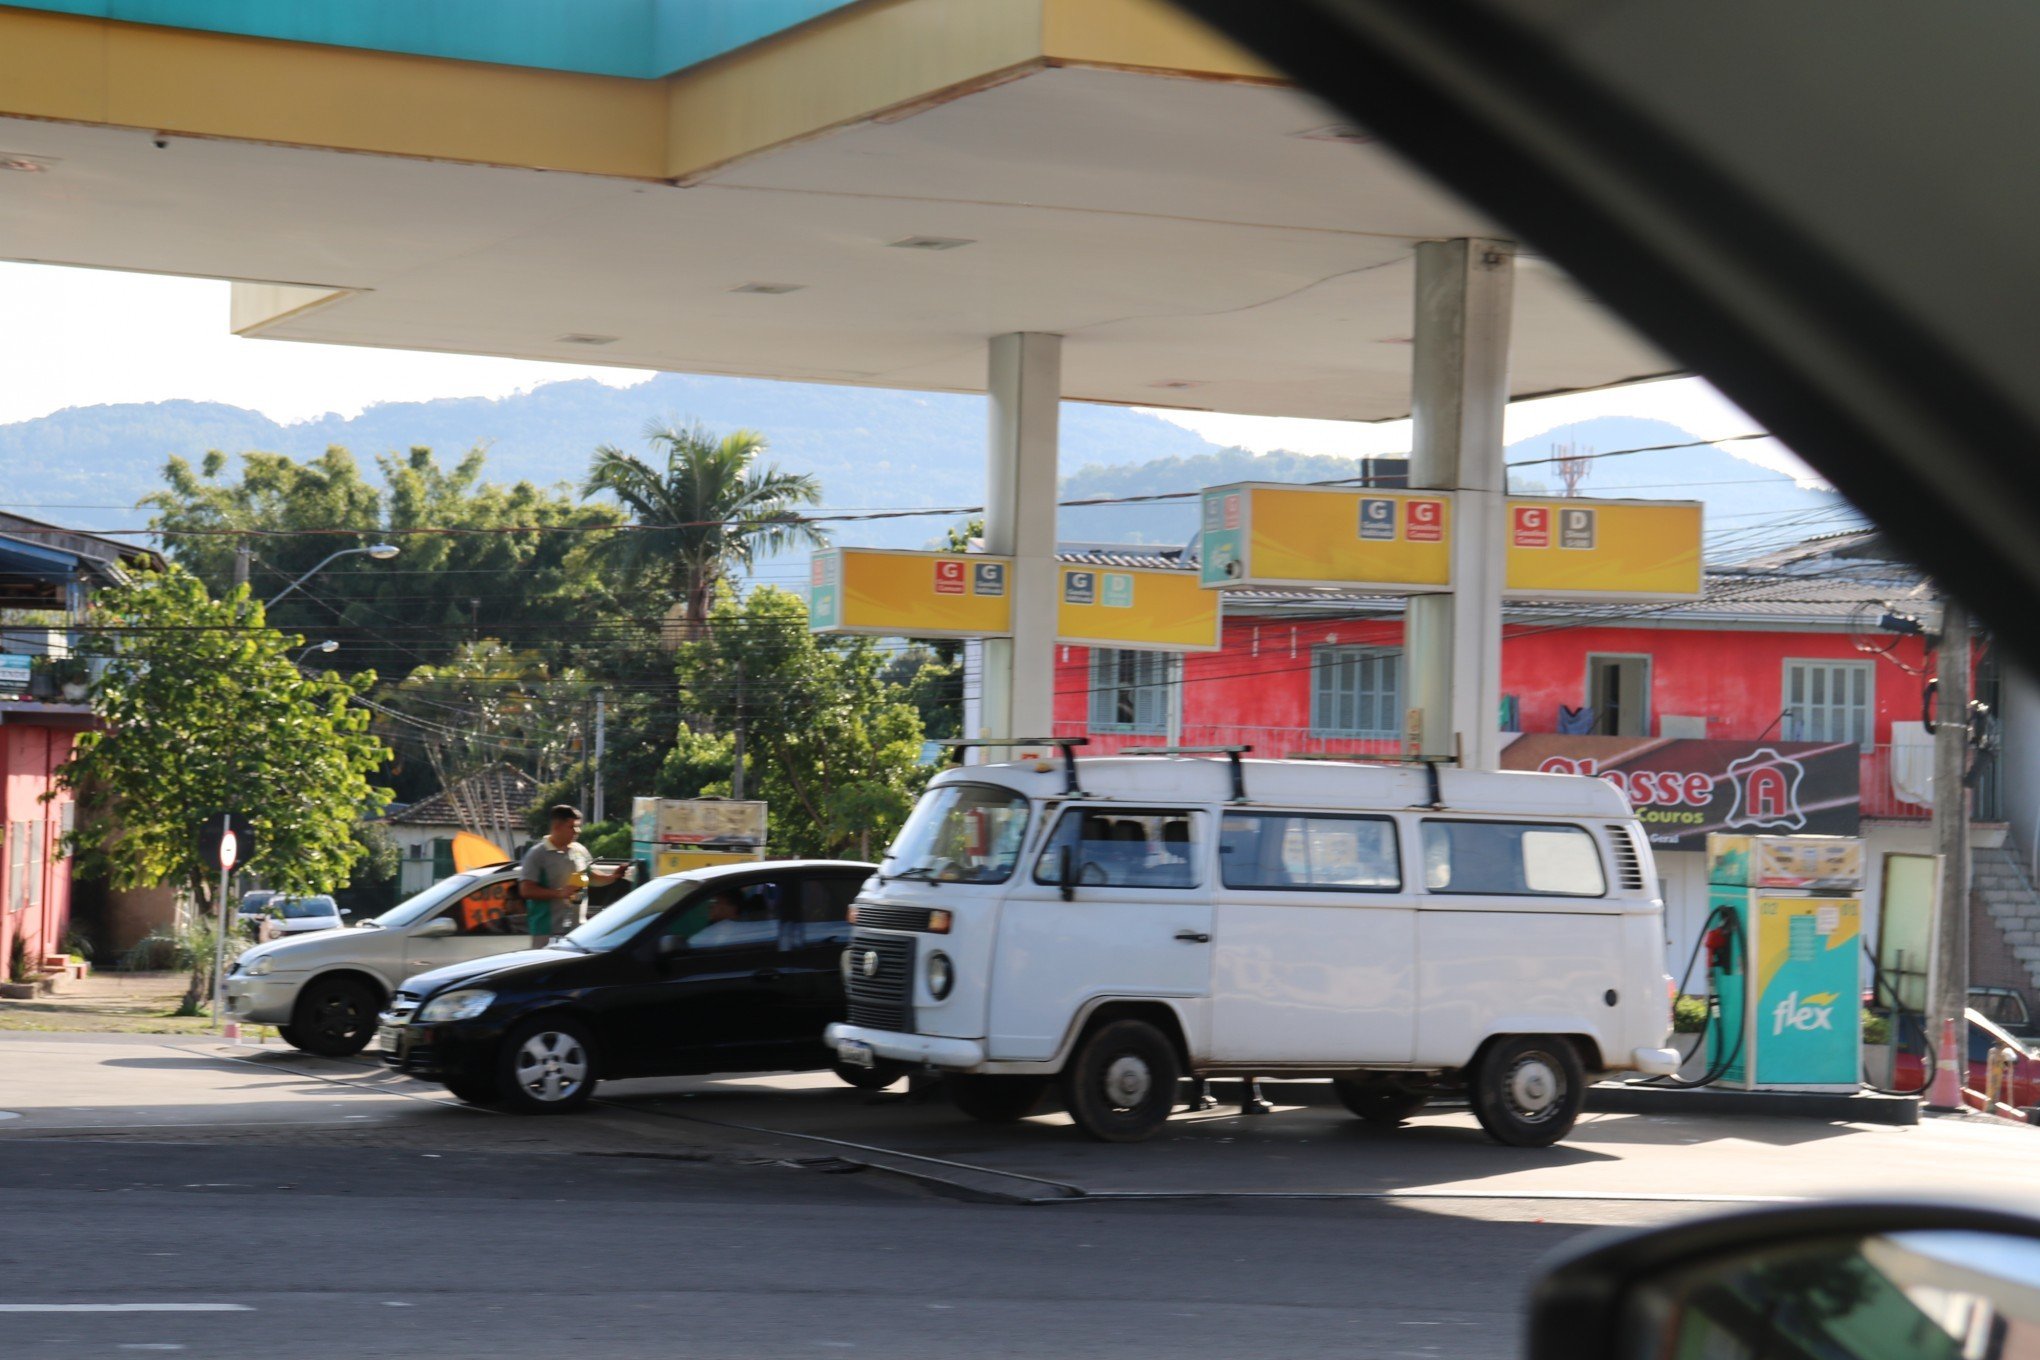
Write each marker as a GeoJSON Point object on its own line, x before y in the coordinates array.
{"type": "Point", "coordinates": [1815, 1012]}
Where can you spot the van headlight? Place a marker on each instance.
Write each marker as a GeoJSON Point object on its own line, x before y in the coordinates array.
{"type": "Point", "coordinates": [455, 1006]}
{"type": "Point", "coordinates": [941, 975]}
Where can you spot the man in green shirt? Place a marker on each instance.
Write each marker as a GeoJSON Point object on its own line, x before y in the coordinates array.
{"type": "Point", "coordinates": [554, 877]}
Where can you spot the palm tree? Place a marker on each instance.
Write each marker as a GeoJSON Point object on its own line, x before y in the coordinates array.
{"type": "Point", "coordinates": [710, 512]}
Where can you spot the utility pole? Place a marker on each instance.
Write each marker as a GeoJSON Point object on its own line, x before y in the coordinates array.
{"type": "Point", "coordinates": [601, 744]}
{"type": "Point", "coordinates": [581, 741]}
{"type": "Point", "coordinates": [1948, 973]}
{"type": "Point", "coordinates": [737, 765]}
{"type": "Point", "coordinates": [241, 556]}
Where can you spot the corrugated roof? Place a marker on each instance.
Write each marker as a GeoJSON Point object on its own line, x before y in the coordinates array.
{"type": "Point", "coordinates": [496, 795]}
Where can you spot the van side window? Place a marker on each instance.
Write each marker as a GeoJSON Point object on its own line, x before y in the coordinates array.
{"type": "Point", "coordinates": [1124, 847]}
{"type": "Point", "coordinates": [1536, 859]}
{"type": "Point", "coordinates": [1297, 852]}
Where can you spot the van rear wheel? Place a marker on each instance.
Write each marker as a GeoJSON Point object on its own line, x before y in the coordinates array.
{"type": "Point", "coordinates": [995, 1100]}
{"type": "Point", "coordinates": [1121, 1084]}
{"type": "Point", "coordinates": [1378, 1102]}
{"type": "Point", "coordinates": [1527, 1089]}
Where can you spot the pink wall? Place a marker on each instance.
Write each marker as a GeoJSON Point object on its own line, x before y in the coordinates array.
{"type": "Point", "coordinates": [29, 756]}
{"type": "Point", "coordinates": [1733, 678]}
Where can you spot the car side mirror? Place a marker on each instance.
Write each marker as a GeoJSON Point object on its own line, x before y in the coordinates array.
{"type": "Point", "coordinates": [1835, 1280]}
{"type": "Point", "coordinates": [438, 926]}
{"type": "Point", "coordinates": [669, 946]}
{"type": "Point", "coordinates": [1066, 872]}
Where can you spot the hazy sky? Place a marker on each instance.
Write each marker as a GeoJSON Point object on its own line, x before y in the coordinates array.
{"type": "Point", "coordinates": [82, 337]}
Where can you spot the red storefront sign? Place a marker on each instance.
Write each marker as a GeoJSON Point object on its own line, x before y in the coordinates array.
{"type": "Point", "coordinates": [1682, 790]}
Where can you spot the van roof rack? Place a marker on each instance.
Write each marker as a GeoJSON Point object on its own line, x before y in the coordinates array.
{"type": "Point", "coordinates": [1430, 766]}
{"type": "Point", "coordinates": [1231, 753]}
{"type": "Point", "coordinates": [1067, 745]}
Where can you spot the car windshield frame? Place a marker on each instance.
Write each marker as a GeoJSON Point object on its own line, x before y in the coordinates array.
{"type": "Point", "coordinates": [416, 907]}
{"type": "Point", "coordinates": [939, 818]}
{"type": "Point", "coordinates": [623, 920]}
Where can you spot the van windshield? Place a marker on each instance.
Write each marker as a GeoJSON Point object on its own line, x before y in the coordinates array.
{"type": "Point", "coordinates": [960, 833]}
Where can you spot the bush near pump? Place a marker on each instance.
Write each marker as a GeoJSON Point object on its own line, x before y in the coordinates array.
{"type": "Point", "coordinates": [1689, 1015]}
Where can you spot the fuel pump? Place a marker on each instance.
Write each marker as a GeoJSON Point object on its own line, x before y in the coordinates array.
{"type": "Point", "coordinates": [1791, 907]}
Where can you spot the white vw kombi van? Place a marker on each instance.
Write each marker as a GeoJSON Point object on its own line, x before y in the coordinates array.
{"type": "Point", "coordinates": [1116, 923]}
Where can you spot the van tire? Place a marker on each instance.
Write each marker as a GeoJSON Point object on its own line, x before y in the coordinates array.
{"type": "Point", "coordinates": [1120, 1086]}
{"type": "Point", "coordinates": [1527, 1089]}
{"type": "Point", "coordinates": [995, 1100]}
{"type": "Point", "coordinates": [1382, 1103]}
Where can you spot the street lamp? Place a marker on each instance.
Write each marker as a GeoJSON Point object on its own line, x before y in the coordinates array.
{"type": "Point", "coordinates": [328, 646]}
{"type": "Point", "coordinates": [381, 552]}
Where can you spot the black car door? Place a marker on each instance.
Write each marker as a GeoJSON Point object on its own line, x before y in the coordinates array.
{"type": "Point", "coordinates": [814, 928]}
{"type": "Point", "coordinates": [715, 990]}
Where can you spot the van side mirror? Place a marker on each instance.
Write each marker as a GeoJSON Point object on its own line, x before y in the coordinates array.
{"type": "Point", "coordinates": [1066, 872]}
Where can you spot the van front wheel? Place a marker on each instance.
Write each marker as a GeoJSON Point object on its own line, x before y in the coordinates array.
{"type": "Point", "coordinates": [1528, 1088]}
{"type": "Point", "coordinates": [1121, 1083]}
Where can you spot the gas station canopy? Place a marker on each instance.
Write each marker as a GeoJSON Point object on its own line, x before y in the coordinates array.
{"type": "Point", "coordinates": [855, 193]}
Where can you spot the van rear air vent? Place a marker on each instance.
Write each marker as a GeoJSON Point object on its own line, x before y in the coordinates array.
{"type": "Point", "coordinates": [1628, 863]}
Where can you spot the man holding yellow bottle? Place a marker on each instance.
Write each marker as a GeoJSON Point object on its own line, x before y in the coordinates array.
{"type": "Point", "coordinates": [555, 876]}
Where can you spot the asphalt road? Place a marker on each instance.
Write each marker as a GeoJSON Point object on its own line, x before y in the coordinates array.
{"type": "Point", "coordinates": [264, 1251]}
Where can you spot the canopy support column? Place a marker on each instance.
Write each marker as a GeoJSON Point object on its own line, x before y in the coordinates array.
{"type": "Point", "coordinates": [1026, 394]}
{"type": "Point", "coordinates": [1452, 643]}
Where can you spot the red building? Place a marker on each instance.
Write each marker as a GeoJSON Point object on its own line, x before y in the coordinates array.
{"type": "Point", "coordinates": [47, 575]}
{"type": "Point", "coordinates": [1782, 665]}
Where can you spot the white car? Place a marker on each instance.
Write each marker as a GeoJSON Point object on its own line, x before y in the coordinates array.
{"type": "Point", "coordinates": [323, 990]}
{"type": "Point", "coordinates": [296, 915]}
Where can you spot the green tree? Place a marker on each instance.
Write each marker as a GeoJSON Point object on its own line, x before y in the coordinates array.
{"type": "Point", "coordinates": [829, 743]}
{"type": "Point", "coordinates": [204, 711]}
{"type": "Point", "coordinates": [708, 512]}
{"type": "Point", "coordinates": [479, 558]}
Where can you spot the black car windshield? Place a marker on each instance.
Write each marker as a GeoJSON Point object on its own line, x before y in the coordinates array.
{"type": "Point", "coordinates": [412, 908]}
{"type": "Point", "coordinates": [623, 918]}
{"type": "Point", "coordinates": [960, 833]}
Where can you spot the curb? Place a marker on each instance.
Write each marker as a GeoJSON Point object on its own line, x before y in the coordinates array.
{"type": "Point", "coordinates": [1864, 1107]}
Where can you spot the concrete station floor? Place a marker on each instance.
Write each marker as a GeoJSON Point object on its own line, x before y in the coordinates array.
{"type": "Point", "coordinates": [136, 1088]}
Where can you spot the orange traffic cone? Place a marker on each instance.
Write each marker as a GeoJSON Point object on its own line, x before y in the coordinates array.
{"type": "Point", "coordinates": [1946, 1091]}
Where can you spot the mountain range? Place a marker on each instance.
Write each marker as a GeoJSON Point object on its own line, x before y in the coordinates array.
{"type": "Point", "coordinates": [83, 466]}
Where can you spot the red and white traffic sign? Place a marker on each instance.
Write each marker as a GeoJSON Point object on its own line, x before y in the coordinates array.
{"type": "Point", "coordinates": [230, 846]}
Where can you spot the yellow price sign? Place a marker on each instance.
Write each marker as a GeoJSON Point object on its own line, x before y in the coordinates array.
{"type": "Point", "coordinates": [1267, 534]}
{"type": "Point", "coordinates": [1142, 608]}
{"type": "Point", "coordinates": [889, 593]}
{"type": "Point", "coordinates": [1602, 550]}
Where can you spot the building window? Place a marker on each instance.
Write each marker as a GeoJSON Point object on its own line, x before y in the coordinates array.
{"type": "Point", "coordinates": [1131, 691]}
{"type": "Point", "coordinates": [1829, 701]}
{"type": "Point", "coordinates": [1356, 692]}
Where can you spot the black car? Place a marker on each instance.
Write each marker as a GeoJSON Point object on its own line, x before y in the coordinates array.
{"type": "Point", "coordinates": [735, 968]}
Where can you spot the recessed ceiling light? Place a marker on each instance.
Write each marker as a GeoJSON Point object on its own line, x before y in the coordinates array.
{"type": "Point", "coordinates": [577, 338]}
{"type": "Point", "coordinates": [773, 288]}
{"type": "Point", "coordinates": [1337, 132]}
{"type": "Point", "coordinates": [26, 164]}
{"type": "Point", "coordinates": [932, 242]}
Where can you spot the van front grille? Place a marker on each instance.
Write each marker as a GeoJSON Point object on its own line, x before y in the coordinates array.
{"type": "Point", "coordinates": [878, 980]}
{"type": "Point", "coordinates": [893, 918]}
